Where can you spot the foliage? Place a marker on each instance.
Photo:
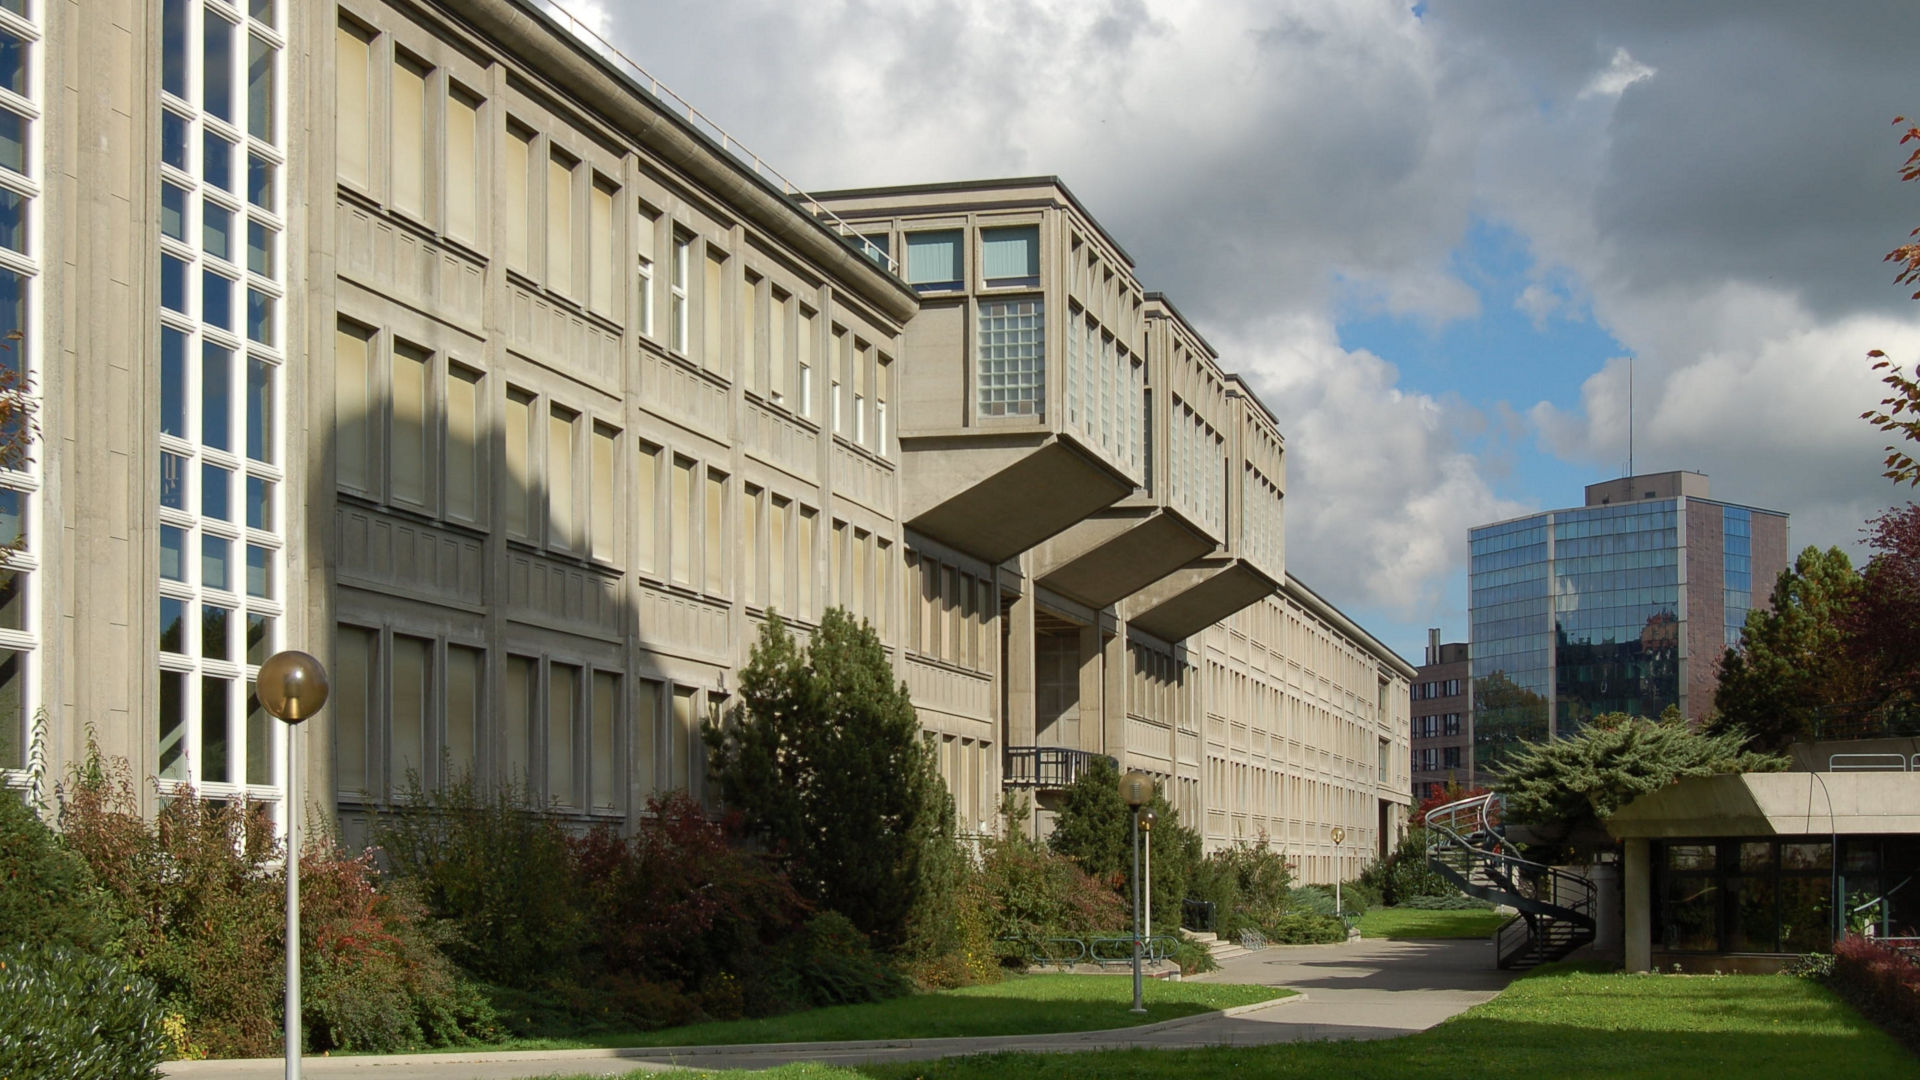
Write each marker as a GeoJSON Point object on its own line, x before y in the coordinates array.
{"type": "Point", "coordinates": [1883, 624]}
{"type": "Point", "coordinates": [1405, 873]}
{"type": "Point", "coordinates": [1095, 830]}
{"type": "Point", "coordinates": [951, 937]}
{"type": "Point", "coordinates": [1899, 414]}
{"type": "Point", "coordinates": [1796, 663]}
{"type": "Point", "coordinates": [829, 962]}
{"type": "Point", "coordinates": [73, 1014]}
{"type": "Point", "coordinates": [497, 871]}
{"type": "Point", "coordinates": [1505, 715]}
{"type": "Point", "coordinates": [47, 893]}
{"type": "Point", "coordinates": [825, 760]}
{"type": "Point", "coordinates": [1306, 928]}
{"type": "Point", "coordinates": [1247, 884]}
{"type": "Point", "coordinates": [1612, 761]}
{"type": "Point", "coordinates": [1450, 792]}
{"type": "Point", "coordinates": [1880, 982]}
{"type": "Point", "coordinates": [1036, 894]}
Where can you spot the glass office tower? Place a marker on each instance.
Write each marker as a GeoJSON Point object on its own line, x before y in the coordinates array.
{"type": "Point", "coordinates": [1622, 605]}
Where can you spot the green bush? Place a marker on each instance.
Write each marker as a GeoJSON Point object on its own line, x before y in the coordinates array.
{"type": "Point", "coordinates": [1405, 872]}
{"type": "Point", "coordinates": [1305, 928]}
{"type": "Point", "coordinates": [1037, 894]}
{"type": "Point", "coordinates": [829, 962]}
{"type": "Point", "coordinates": [1246, 883]}
{"type": "Point", "coordinates": [47, 893]}
{"type": "Point", "coordinates": [74, 1015]}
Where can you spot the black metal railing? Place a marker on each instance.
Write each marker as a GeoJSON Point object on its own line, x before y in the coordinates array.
{"type": "Point", "coordinates": [1197, 915]}
{"type": "Point", "coordinates": [1051, 767]}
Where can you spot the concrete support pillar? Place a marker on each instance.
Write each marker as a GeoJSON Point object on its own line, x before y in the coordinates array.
{"type": "Point", "coordinates": [1091, 728]}
{"type": "Point", "coordinates": [1637, 906]}
{"type": "Point", "coordinates": [1115, 668]}
{"type": "Point", "coordinates": [1019, 674]}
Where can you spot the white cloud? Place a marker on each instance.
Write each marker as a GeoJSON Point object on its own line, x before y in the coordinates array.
{"type": "Point", "coordinates": [1621, 72]}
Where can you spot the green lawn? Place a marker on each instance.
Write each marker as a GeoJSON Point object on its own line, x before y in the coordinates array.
{"type": "Point", "coordinates": [1022, 1005]}
{"type": "Point", "coordinates": [1404, 923]}
{"type": "Point", "coordinates": [1558, 1022]}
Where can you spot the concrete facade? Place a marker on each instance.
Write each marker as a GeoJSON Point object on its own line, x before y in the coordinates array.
{"type": "Point", "coordinates": [438, 344]}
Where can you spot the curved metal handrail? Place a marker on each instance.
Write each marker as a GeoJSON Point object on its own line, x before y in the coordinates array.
{"type": "Point", "coordinates": [1468, 846]}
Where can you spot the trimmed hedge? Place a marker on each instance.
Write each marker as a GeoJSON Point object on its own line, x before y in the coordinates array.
{"type": "Point", "coordinates": [1882, 983]}
{"type": "Point", "coordinates": [75, 1015]}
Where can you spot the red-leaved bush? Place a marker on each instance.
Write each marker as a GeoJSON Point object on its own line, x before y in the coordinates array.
{"type": "Point", "coordinates": [1882, 982]}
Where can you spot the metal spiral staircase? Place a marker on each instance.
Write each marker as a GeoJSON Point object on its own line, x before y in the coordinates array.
{"type": "Point", "coordinates": [1556, 908]}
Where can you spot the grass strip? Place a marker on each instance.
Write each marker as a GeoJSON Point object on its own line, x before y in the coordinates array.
{"type": "Point", "coordinates": [1022, 1005]}
{"type": "Point", "coordinates": [1557, 1022]}
{"type": "Point", "coordinates": [1405, 924]}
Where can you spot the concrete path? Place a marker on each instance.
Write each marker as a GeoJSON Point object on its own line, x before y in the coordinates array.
{"type": "Point", "coordinates": [1361, 990]}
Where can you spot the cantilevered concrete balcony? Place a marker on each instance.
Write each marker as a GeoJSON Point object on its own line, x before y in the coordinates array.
{"type": "Point", "coordinates": [1223, 463]}
{"type": "Point", "coordinates": [1022, 403]}
{"type": "Point", "coordinates": [1119, 551]}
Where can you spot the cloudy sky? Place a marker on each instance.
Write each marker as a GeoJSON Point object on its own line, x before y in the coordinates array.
{"type": "Point", "coordinates": [1432, 235]}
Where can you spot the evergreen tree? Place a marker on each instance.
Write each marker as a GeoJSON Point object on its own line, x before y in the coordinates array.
{"type": "Point", "coordinates": [824, 759]}
{"type": "Point", "coordinates": [1614, 760]}
{"type": "Point", "coordinates": [1797, 665]}
{"type": "Point", "coordinates": [1095, 830]}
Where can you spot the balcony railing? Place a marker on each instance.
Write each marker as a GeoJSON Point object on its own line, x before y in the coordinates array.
{"type": "Point", "coordinates": [1048, 767]}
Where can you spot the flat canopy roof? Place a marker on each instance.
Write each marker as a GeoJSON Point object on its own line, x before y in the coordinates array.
{"type": "Point", "coordinates": [1775, 804]}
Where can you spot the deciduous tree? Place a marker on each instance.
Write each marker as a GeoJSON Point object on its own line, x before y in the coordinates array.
{"type": "Point", "coordinates": [1797, 665]}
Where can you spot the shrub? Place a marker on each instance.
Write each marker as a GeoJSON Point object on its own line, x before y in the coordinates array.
{"type": "Point", "coordinates": [829, 962]}
{"type": "Point", "coordinates": [47, 893]}
{"type": "Point", "coordinates": [1037, 894]}
{"type": "Point", "coordinates": [1247, 884]}
{"type": "Point", "coordinates": [75, 1015]}
{"type": "Point", "coordinates": [1405, 872]}
{"type": "Point", "coordinates": [1882, 983]}
{"type": "Point", "coordinates": [498, 871]}
{"type": "Point", "coordinates": [1305, 928]}
{"type": "Point", "coordinates": [950, 940]}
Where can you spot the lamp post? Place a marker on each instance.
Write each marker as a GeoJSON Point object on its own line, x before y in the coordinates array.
{"type": "Point", "coordinates": [292, 686]}
{"type": "Point", "coordinates": [1136, 790]}
{"type": "Point", "coordinates": [1338, 833]}
{"type": "Point", "coordinates": [1147, 820]}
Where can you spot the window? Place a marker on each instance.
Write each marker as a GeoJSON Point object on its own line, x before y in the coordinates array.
{"type": "Point", "coordinates": [353, 670]}
{"type": "Point", "coordinates": [755, 592]}
{"type": "Point", "coordinates": [605, 518]}
{"type": "Point", "coordinates": [353, 397]}
{"type": "Point", "coordinates": [466, 675]}
{"type": "Point", "coordinates": [521, 492]}
{"type": "Point", "coordinates": [1010, 257]}
{"type": "Point", "coordinates": [680, 746]}
{"type": "Point", "coordinates": [560, 223]}
{"type": "Point", "coordinates": [933, 261]}
{"type": "Point", "coordinates": [713, 300]}
{"type": "Point", "coordinates": [352, 63]}
{"type": "Point", "coordinates": [646, 733]}
{"type": "Point", "coordinates": [838, 376]}
{"type": "Point", "coordinates": [411, 376]}
{"type": "Point", "coordinates": [1012, 365]}
{"type": "Point", "coordinates": [750, 359]}
{"type": "Point", "coordinates": [560, 517]}
{"type": "Point", "coordinates": [410, 137]}
{"type": "Point", "coordinates": [881, 387]}
{"type": "Point", "coordinates": [803, 382]}
{"type": "Point", "coordinates": [646, 508]}
{"type": "Point", "coordinates": [464, 165]}
{"type": "Point", "coordinates": [518, 201]}
{"type": "Point", "coordinates": [680, 542]}
{"type": "Point", "coordinates": [563, 702]}
{"type": "Point", "coordinates": [603, 761]}
{"type": "Point", "coordinates": [715, 502]}
{"type": "Point", "coordinates": [407, 716]}
{"type": "Point", "coordinates": [465, 457]}
{"type": "Point", "coordinates": [677, 293]}
{"type": "Point", "coordinates": [778, 360]}
{"type": "Point", "coordinates": [644, 239]}
{"type": "Point", "coordinates": [779, 513]}
{"type": "Point", "coordinates": [603, 274]}
{"type": "Point", "coordinates": [807, 571]}
{"type": "Point", "coordinates": [862, 361]}
{"type": "Point", "coordinates": [522, 683]}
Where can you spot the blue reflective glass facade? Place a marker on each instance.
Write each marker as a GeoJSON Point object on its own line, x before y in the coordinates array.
{"type": "Point", "coordinates": [1616, 572]}
{"type": "Point", "coordinates": [1511, 615]}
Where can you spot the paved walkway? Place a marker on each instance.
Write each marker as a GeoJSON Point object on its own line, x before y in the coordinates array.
{"type": "Point", "coordinates": [1361, 990]}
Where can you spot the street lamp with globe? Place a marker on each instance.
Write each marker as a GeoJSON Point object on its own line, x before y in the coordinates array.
{"type": "Point", "coordinates": [1136, 790]}
{"type": "Point", "coordinates": [292, 686]}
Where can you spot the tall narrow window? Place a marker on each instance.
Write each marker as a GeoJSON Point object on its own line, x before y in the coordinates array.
{"type": "Point", "coordinates": [716, 534]}
{"type": "Point", "coordinates": [750, 545]}
{"type": "Point", "coordinates": [750, 360]}
{"type": "Point", "coordinates": [353, 668]}
{"type": "Point", "coordinates": [803, 364]}
{"type": "Point", "coordinates": [680, 746]}
{"type": "Point", "coordinates": [862, 357]}
{"type": "Point", "coordinates": [713, 301]}
{"type": "Point", "coordinates": [560, 224]}
{"type": "Point", "coordinates": [519, 197]}
{"type": "Point", "coordinates": [838, 376]}
{"type": "Point", "coordinates": [882, 601]}
{"type": "Point", "coordinates": [806, 571]}
{"type": "Point", "coordinates": [603, 765]}
{"type": "Point", "coordinates": [411, 374]}
{"type": "Point", "coordinates": [260, 62]}
{"type": "Point", "coordinates": [602, 247]}
{"type": "Point", "coordinates": [563, 703]}
{"type": "Point", "coordinates": [464, 166]}
{"type": "Point", "coordinates": [522, 684]}
{"type": "Point", "coordinates": [560, 517]}
{"type": "Point", "coordinates": [646, 508]}
{"type": "Point", "coordinates": [777, 359]}
{"type": "Point", "coordinates": [779, 511]}
{"type": "Point", "coordinates": [644, 241]}
{"type": "Point", "coordinates": [352, 368]}
{"type": "Point", "coordinates": [602, 508]}
{"type": "Point", "coordinates": [646, 736]}
{"type": "Point", "coordinates": [410, 137]}
{"type": "Point", "coordinates": [464, 457]}
{"type": "Point", "coordinates": [883, 377]}
{"type": "Point", "coordinates": [353, 61]}
{"type": "Point", "coordinates": [521, 493]}
{"type": "Point", "coordinates": [677, 293]}
{"type": "Point", "coordinates": [680, 540]}
{"type": "Point", "coordinates": [407, 730]}
{"type": "Point", "coordinates": [466, 673]}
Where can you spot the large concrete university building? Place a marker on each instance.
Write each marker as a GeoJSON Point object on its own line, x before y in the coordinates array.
{"type": "Point", "coordinates": [429, 339]}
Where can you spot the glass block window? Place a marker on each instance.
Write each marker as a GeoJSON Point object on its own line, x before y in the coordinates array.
{"type": "Point", "coordinates": [1013, 361]}
{"type": "Point", "coordinates": [21, 177]}
{"type": "Point", "coordinates": [222, 469]}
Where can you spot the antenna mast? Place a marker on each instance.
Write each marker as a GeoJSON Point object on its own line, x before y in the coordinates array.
{"type": "Point", "coordinates": [1629, 417]}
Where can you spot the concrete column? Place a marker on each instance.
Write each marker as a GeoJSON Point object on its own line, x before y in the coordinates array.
{"type": "Point", "coordinates": [1115, 668]}
{"type": "Point", "coordinates": [1091, 733]}
{"type": "Point", "coordinates": [1019, 674]}
{"type": "Point", "coordinates": [1637, 906]}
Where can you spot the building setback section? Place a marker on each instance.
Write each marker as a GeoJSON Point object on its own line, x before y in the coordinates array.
{"type": "Point", "coordinates": [465, 362]}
